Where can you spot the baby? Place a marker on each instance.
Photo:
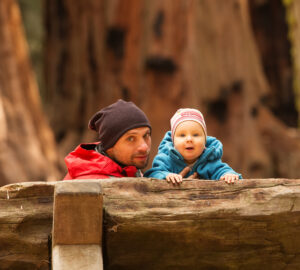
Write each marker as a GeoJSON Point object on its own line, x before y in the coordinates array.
{"type": "Point", "coordinates": [187, 145]}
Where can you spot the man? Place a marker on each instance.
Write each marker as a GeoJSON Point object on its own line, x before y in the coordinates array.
{"type": "Point", "coordinates": [124, 147]}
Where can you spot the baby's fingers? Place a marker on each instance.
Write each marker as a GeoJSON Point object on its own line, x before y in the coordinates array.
{"type": "Point", "coordinates": [170, 178]}
{"type": "Point", "coordinates": [178, 179]}
{"type": "Point", "coordinates": [174, 179]}
{"type": "Point", "coordinates": [229, 178]}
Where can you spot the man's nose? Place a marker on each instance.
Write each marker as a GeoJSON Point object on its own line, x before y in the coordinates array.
{"type": "Point", "coordinates": [143, 146]}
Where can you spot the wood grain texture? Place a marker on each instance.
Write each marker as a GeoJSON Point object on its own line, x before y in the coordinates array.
{"type": "Point", "coordinates": [149, 224]}
{"type": "Point", "coordinates": [202, 224]}
{"type": "Point", "coordinates": [25, 226]}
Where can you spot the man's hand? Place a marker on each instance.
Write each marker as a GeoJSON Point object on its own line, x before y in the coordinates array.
{"type": "Point", "coordinates": [176, 179]}
{"type": "Point", "coordinates": [229, 178]}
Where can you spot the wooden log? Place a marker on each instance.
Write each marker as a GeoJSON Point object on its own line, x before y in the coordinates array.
{"type": "Point", "coordinates": [25, 225]}
{"type": "Point", "coordinates": [253, 224]}
{"type": "Point", "coordinates": [149, 224]}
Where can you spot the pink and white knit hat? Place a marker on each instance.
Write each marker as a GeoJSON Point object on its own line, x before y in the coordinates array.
{"type": "Point", "coordinates": [187, 114]}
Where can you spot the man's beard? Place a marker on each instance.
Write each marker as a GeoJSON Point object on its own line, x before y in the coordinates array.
{"type": "Point", "coordinates": [133, 162]}
{"type": "Point", "coordinates": [138, 164]}
{"type": "Point", "coordinates": [144, 165]}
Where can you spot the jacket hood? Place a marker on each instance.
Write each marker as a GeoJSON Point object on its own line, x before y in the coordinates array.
{"type": "Point", "coordinates": [213, 148]}
{"type": "Point", "coordinates": [85, 161]}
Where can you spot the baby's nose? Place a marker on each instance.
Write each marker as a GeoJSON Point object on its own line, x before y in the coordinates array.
{"type": "Point", "coordinates": [188, 137]}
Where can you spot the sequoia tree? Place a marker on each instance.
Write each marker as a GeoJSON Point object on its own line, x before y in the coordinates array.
{"type": "Point", "coordinates": [28, 149]}
{"type": "Point", "coordinates": [164, 55]}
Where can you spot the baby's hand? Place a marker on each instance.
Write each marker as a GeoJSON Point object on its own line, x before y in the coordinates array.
{"type": "Point", "coordinates": [174, 178]}
{"type": "Point", "coordinates": [229, 178]}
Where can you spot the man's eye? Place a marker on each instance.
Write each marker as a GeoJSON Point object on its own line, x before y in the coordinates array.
{"type": "Point", "coordinates": [147, 135]}
{"type": "Point", "coordinates": [130, 139]}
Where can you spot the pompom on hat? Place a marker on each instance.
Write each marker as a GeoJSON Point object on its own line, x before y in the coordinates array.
{"type": "Point", "coordinates": [116, 119]}
{"type": "Point", "coordinates": [187, 114]}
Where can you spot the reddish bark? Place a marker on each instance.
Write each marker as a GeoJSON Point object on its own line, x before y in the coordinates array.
{"type": "Point", "coordinates": [28, 150]}
{"type": "Point", "coordinates": [162, 55]}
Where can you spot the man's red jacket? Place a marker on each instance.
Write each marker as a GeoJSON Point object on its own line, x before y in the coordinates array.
{"type": "Point", "coordinates": [86, 163]}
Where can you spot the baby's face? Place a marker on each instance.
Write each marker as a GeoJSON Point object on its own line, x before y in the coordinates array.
{"type": "Point", "coordinates": [189, 140]}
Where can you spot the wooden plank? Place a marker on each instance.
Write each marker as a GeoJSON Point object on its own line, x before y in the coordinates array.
{"type": "Point", "coordinates": [77, 226]}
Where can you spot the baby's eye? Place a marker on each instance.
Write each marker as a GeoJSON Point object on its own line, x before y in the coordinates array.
{"type": "Point", "coordinates": [196, 134]}
{"type": "Point", "coordinates": [182, 135]}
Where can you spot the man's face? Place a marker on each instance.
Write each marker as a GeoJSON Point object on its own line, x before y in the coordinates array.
{"type": "Point", "coordinates": [132, 148]}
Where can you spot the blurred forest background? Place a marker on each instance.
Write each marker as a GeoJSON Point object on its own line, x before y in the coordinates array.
{"type": "Point", "coordinates": [235, 60]}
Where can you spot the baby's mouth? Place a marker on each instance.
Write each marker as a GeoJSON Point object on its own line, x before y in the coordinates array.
{"type": "Point", "coordinates": [189, 148]}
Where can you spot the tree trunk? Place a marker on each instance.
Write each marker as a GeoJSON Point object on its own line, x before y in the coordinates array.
{"type": "Point", "coordinates": [149, 224]}
{"type": "Point", "coordinates": [74, 68]}
{"type": "Point", "coordinates": [293, 20]}
{"type": "Point", "coordinates": [163, 55]}
{"type": "Point", "coordinates": [28, 150]}
{"type": "Point", "coordinates": [272, 31]}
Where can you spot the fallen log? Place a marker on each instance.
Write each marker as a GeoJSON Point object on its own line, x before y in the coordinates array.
{"type": "Point", "coordinates": [149, 224]}
{"type": "Point", "coordinates": [202, 224]}
{"type": "Point", "coordinates": [25, 225]}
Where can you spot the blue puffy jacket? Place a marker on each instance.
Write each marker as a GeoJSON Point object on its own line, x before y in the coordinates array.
{"type": "Point", "coordinates": [208, 166]}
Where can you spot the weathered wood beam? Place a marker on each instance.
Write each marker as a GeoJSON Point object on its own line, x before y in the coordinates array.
{"type": "Point", "coordinates": [26, 225]}
{"type": "Point", "coordinates": [252, 224]}
{"type": "Point", "coordinates": [149, 224]}
{"type": "Point", "coordinates": [77, 226]}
